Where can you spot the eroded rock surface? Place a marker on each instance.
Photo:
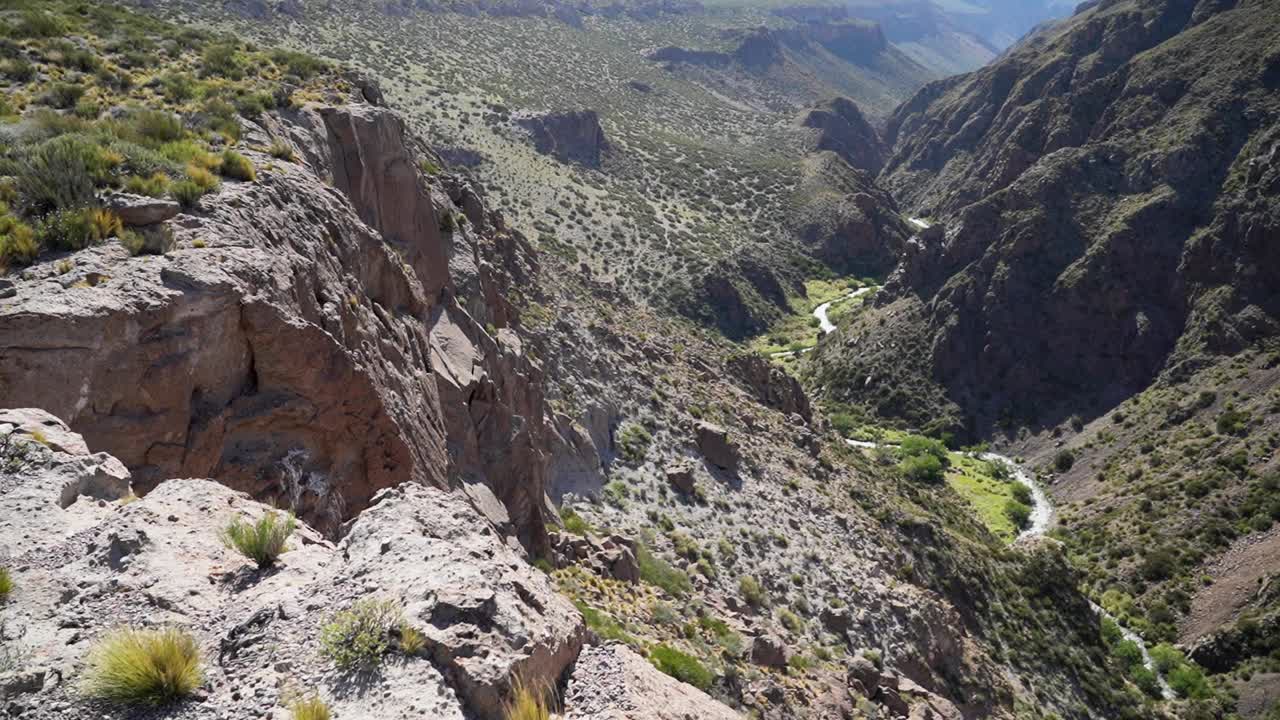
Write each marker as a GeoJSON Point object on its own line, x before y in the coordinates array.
{"type": "Point", "coordinates": [89, 565]}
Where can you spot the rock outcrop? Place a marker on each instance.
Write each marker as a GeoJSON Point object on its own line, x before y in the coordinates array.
{"type": "Point", "coordinates": [841, 128]}
{"type": "Point", "coordinates": [570, 137]}
{"type": "Point", "coordinates": [305, 343]}
{"type": "Point", "coordinates": [771, 385]}
{"type": "Point", "coordinates": [86, 560]}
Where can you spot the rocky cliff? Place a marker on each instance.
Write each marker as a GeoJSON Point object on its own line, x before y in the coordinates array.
{"type": "Point", "coordinates": [1106, 194]}
{"type": "Point", "coordinates": [313, 337]}
{"type": "Point", "coordinates": [87, 556]}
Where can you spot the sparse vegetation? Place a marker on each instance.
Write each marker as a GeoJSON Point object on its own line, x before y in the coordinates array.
{"type": "Point", "coordinates": [526, 702]}
{"type": "Point", "coordinates": [359, 637]}
{"type": "Point", "coordinates": [135, 666]}
{"type": "Point", "coordinates": [6, 584]}
{"type": "Point", "coordinates": [681, 666]}
{"type": "Point", "coordinates": [312, 707]}
{"type": "Point", "coordinates": [262, 541]}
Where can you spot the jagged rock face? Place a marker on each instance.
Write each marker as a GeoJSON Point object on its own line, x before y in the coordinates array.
{"type": "Point", "coordinates": [290, 349]}
{"type": "Point", "coordinates": [85, 566]}
{"type": "Point", "coordinates": [1109, 193]}
{"type": "Point", "coordinates": [842, 129]}
{"type": "Point", "coordinates": [771, 385]}
{"type": "Point", "coordinates": [570, 137]}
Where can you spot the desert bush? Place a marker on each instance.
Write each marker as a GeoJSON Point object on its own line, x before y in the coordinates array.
{"type": "Point", "coordinates": [1188, 681]}
{"type": "Point", "coordinates": [680, 666]}
{"type": "Point", "coordinates": [633, 441]}
{"type": "Point", "coordinates": [281, 150]}
{"type": "Point", "coordinates": [791, 621]}
{"type": "Point", "coordinates": [63, 95]}
{"type": "Point", "coordinates": [223, 59]}
{"type": "Point", "coordinates": [574, 523]}
{"type": "Point", "coordinates": [202, 177]}
{"type": "Point", "coordinates": [187, 193]}
{"type": "Point", "coordinates": [262, 541]}
{"type": "Point", "coordinates": [447, 222]}
{"type": "Point", "coordinates": [1064, 460]}
{"type": "Point", "coordinates": [77, 229]}
{"type": "Point", "coordinates": [358, 637]}
{"type": "Point", "coordinates": [410, 639]}
{"type": "Point", "coordinates": [133, 666]}
{"type": "Point", "coordinates": [156, 126]}
{"type": "Point", "coordinates": [58, 174]}
{"type": "Point", "coordinates": [6, 583]}
{"type": "Point", "coordinates": [312, 707]}
{"type": "Point", "coordinates": [1021, 493]}
{"type": "Point", "coordinates": [237, 166]}
{"type": "Point", "coordinates": [302, 65]}
{"type": "Point", "coordinates": [19, 69]}
{"type": "Point", "coordinates": [751, 591]}
{"type": "Point", "coordinates": [37, 24]}
{"type": "Point", "coordinates": [178, 87]}
{"type": "Point", "coordinates": [604, 625]}
{"type": "Point", "coordinates": [18, 245]}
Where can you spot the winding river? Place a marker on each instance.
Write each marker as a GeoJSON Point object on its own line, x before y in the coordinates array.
{"type": "Point", "coordinates": [1041, 508]}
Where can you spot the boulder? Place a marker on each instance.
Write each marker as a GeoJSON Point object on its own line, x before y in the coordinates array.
{"type": "Point", "coordinates": [769, 651]}
{"type": "Point", "coordinates": [715, 446]}
{"type": "Point", "coordinates": [140, 210]}
{"type": "Point", "coordinates": [680, 476]}
{"type": "Point", "coordinates": [570, 137]}
{"type": "Point", "coordinates": [836, 620]}
{"type": "Point", "coordinates": [44, 428]}
{"type": "Point", "coordinates": [770, 384]}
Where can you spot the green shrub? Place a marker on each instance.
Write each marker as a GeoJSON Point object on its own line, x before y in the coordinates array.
{"type": "Point", "coordinates": [58, 174]}
{"type": "Point", "coordinates": [37, 24]}
{"type": "Point", "coordinates": [791, 621]}
{"type": "Point", "coordinates": [157, 185]}
{"type": "Point", "coordinates": [1232, 422]}
{"type": "Point", "coordinates": [20, 70]}
{"type": "Point", "coordinates": [6, 583]}
{"type": "Point", "coordinates": [18, 244]}
{"type": "Point", "coordinates": [633, 441]}
{"type": "Point", "coordinates": [281, 150]}
{"type": "Point", "coordinates": [680, 666]}
{"type": "Point", "coordinates": [223, 59]}
{"type": "Point", "coordinates": [1188, 681]}
{"type": "Point", "coordinates": [604, 625]}
{"type": "Point", "coordinates": [77, 229]}
{"type": "Point", "coordinates": [143, 667]}
{"type": "Point", "coordinates": [1166, 657]}
{"type": "Point", "coordinates": [262, 541]}
{"type": "Point", "coordinates": [207, 181]}
{"type": "Point", "coordinates": [1021, 493]}
{"type": "Point", "coordinates": [574, 523]}
{"type": "Point", "coordinates": [751, 591]}
{"type": "Point", "coordinates": [656, 571]}
{"type": "Point", "coordinates": [179, 87]}
{"type": "Point", "coordinates": [309, 708]}
{"type": "Point", "coordinates": [1018, 513]}
{"type": "Point", "coordinates": [922, 468]}
{"type": "Point", "coordinates": [1064, 460]}
{"type": "Point", "coordinates": [63, 95]}
{"type": "Point", "coordinates": [358, 637]}
{"type": "Point", "coordinates": [447, 222]}
{"type": "Point", "coordinates": [187, 193]}
{"type": "Point", "coordinates": [1146, 680]}
{"type": "Point", "coordinates": [302, 65]}
{"type": "Point", "coordinates": [237, 166]}
{"type": "Point", "coordinates": [156, 126]}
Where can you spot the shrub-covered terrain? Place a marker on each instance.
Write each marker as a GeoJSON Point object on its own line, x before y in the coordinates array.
{"type": "Point", "coordinates": [98, 100]}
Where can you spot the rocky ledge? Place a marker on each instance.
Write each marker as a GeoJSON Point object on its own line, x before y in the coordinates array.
{"type": "Point", "coordinates": [87, 556]}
